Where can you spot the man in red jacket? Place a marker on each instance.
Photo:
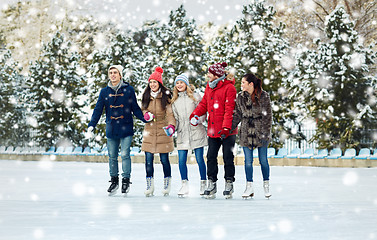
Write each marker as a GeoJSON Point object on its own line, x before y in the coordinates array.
{"type": "Point", "coordinates": [219, 101]}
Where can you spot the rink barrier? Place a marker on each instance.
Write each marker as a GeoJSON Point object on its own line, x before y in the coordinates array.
{"type": "Point", "coordinates": [238, 160]}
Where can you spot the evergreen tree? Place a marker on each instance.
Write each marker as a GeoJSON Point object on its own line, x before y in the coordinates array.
{"type": "Point", "coordinates": [256, 45]}
{"type": "Point", "coordinates": [57, 94]}
{"type": "Point", "coordinates": [123, 50]}
{"type": "Point", "coordinates": [13, 126]}
{"type": "Point", "coordinates": [180, 49]}
{"type": "Point", "coordinates": [335, 86]}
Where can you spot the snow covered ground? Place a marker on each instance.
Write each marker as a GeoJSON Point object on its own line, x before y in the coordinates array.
{"type": "Point", "coordinates": [68, 200]}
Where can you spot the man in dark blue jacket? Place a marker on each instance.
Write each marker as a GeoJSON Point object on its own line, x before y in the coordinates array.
{"type": "Point", "coordinates": [119, 100]}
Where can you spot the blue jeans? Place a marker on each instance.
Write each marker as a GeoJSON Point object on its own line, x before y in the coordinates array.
{"type": "Point", "coordinates": [113, 150]}
{"type": "Point", "coordinates": [262, 155]}
{"type": "Point", "coordinates": [164, 158]}
{"type": "Point", "coordinates": [182, 160]}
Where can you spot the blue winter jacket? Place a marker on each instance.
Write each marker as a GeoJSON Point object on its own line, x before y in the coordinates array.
{"type": "Point", "coordinates": [119, 107]}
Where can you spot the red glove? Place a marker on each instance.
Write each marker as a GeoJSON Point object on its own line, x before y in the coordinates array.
{"type": "Point", "coordinates": [224, 133]}
{"type": "Point", "coordinates": [194, 121]}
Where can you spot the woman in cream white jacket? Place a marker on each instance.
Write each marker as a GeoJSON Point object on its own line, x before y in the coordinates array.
{"type": "Point", "coordinates": [189, 137]}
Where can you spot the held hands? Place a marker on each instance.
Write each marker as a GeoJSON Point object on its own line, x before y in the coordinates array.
{"type": "Point", "coordinates": [148, 116]}
{"type": "Point", "coordinates": [194, 121]}
{"type": "Point", "coordinates": [224, 133]}
{"type": "Point", "coordinates": [89, 133]}
{"type": "Point", "coordinates": [169, 130]}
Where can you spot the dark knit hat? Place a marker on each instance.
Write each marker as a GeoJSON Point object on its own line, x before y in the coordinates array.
{"type": "Point", "coordinates": [157, 75]}
{"type": "Point", "coordinates": [218, 69]}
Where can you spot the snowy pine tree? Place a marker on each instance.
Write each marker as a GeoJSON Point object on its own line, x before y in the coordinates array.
{"type": "Point", "coordinates": [123, 50]}
{"type": "Point", "coordinates": [256, 45]}
{"type": "Point", "coordinates": [335, 86]}
{"type": "Point", "coordinates": [57, 95]}
{"type": "Point", "coordinates": [13, 125]}
{"type": "Point", "coordinates": [180, 49]}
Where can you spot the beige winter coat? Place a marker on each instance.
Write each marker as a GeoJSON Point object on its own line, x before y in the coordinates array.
{"type": "Point", "coordinates": [188, 136]}
{"type": "Point", "coordinates": [155, 139]}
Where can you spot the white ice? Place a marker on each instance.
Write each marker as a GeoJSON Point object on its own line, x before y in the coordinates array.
{"type": "Point", "coordinates": [68, 200]}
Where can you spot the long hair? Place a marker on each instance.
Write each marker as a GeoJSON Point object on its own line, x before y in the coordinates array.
{"type": "Point", "coordinates": [251, 78]}
{"type": "Point", "coordinates": [190, 92]}
{"type": "Point", "coordinates": [166, 96]}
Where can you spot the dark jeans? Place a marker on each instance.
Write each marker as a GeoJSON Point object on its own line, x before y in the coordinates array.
{"type": "Point", "coordinates": [164, 158]}
{"type": "Point", "coordinates": [214, 145]}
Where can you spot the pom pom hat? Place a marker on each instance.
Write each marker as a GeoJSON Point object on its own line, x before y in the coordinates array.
{"type": "Point", "coordinates": [218, 69]}
{"type": "Point", "coordinates": [117, 67]}
{"type": "Point", "coordinates": [157, 75]}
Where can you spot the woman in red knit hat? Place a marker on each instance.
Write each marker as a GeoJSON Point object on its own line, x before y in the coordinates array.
{"type": "Point", "coordinates": [159, 129]}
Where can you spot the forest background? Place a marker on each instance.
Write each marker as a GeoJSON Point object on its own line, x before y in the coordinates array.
{"type": "Point", "coordinates": [316, 59]}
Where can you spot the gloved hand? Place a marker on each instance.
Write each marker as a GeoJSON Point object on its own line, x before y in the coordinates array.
{"type": "Point", "coordinates": [224, 133]}
{"type": "Point", "coordinates": [194, 121]}
{"type": "Point", "coordinates": [169, 130]}
{"type": "Point", "coordinates": [148, 116]}
{"type": "Point", "coordinates": [89, 133]}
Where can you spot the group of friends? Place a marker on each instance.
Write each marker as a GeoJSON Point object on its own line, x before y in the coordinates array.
{"type": "Point", "coordinates": [185, 112]}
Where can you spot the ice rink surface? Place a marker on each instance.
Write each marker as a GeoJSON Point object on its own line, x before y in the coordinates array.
{"type": "Point", "coordinates": [68, 200]}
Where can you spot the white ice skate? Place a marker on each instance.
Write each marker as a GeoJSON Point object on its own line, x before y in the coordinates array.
{"type": "Point", "coordinates": [150, 187]}
{"type": "Point", "coordinates": [228, 189]}
{"type": "Point", "coordinates": [210, 192]}
{"type": "Point", "coordinates": [266, 187]}
{"type": "Point", "coordinates": [184, 191]}
{"type": "Point", "coordinates": [249, 191]}
{"type": "Point", "coordinates": [167, 186]}
{"type": "Point", "coordinates": [203, 184]}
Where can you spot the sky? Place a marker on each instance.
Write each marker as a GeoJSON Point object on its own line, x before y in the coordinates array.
{"type": "Point", "coordinates": [134, 13]}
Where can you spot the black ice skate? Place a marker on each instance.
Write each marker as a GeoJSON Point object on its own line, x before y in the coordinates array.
{"type": "Point", "coordinates": [210, 192]}
{"type": "Point", "coordinates": [113, 186]}
{"type": "Point", "coordinates": [125, 186]}
{"type": "Point", "coordinates": [228, 189]}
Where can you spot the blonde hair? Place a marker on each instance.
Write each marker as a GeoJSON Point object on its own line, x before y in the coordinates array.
{"type": "Point", "coordinates": [190, 92]}
{"type": "Point", "coordinates": [229, 75]}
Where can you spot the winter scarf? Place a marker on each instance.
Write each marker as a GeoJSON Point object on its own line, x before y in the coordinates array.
{"type": "Point", "coordinates": [154, 94]}
{"type": "Point", "coordinates": [116, 88]}
{"type": "Point", "coordinates": [214, 83]}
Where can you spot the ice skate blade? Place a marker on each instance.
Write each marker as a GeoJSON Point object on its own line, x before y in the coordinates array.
{"type": "Point", "coordinates": [210, 196]}
{"type": "Point", "coordinates": [124, 194]}
{"type": "Point", "coordinates": [182, 195]}
{"type": "Point", "coordinates": [166, 194]}
{"type": "Point", "coordinates": [228, 196]}
{"type": "Point", "coordinates": [267, 196]}
{"type": "Point", "coordinates": [112, 193]}
{"type": "Point", "coordinates": [248, 197]}
{"type": "Point", "coordinates": [149, 195]}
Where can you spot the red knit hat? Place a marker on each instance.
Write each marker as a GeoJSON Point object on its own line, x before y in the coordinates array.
{"type": "Point", "coordinates": [157, 75]}
{"type": "Point", "coordinates": [218, 69]}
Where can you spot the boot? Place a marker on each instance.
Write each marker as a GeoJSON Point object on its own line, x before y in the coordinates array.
{"type": "Point", "coordinates": [113, 186]}
{"type": "Point", "coordinates": [167, 186]}
{"type": "Point", "coordinates": [249, 191]}
{"type": "Point", "coordinates": [150, 187]}
{"type": "Point", "coordinates": [210, 192]}
{"type": "Point", "coordinates": [203, 184]}
{"type": "Point", "coordinates": [266, 187]}
{"type": "Point", "coordinates": [126, 185]}
{"type": "Point", "coordinates": [228, 191]}
{"type": "Point", "coordinates": [184, 191]}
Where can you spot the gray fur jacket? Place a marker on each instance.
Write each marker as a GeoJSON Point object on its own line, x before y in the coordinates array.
{"type": "Point", "coordinates": [256, 119]}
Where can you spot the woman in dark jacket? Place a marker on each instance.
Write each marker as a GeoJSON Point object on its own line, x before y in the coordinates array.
{"type": "Point", "coordinates": [253, 110]}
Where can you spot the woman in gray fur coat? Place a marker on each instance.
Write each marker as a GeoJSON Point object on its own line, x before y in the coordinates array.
{"type": "Point", "coordinates": [253, 110]}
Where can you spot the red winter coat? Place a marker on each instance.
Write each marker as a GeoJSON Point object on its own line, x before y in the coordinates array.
{"type": "Point", "coordinates": [219, 103]}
